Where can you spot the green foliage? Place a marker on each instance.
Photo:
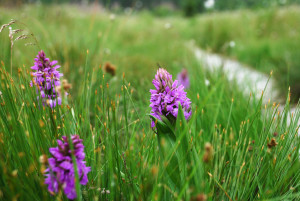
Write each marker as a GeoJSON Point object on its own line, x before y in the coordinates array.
{"type": "Point", "coordinates": [192, 7]}
{"type": "Point", "coordinates": [163, 11]}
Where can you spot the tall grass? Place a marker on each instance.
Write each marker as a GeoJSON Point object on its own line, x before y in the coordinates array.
{"type": "Point", "coordinates": [111, 115]}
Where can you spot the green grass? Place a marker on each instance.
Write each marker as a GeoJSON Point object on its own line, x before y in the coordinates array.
{"type": "Point", "coordinates": [111, 115]}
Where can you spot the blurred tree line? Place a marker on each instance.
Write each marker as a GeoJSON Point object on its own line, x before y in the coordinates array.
{"type": "Point", "coordinates": [189, 7]}
{"type": "Point", "coordinates": [236, 4]}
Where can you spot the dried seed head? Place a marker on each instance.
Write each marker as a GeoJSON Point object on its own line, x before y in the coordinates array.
{"type": "Point", "coordinates": [14, 173]}
{"type": "Point", "coordinates": [208, 155]}
{"type": "Point", "coordinates": [154, 170]}
{"type": "Point", "coordinates": [21, 154]}
{"type": "Point", "coordinates": [21, 37]}
{"type": "Point", "coordinates": [43, 159]}
{"type": "Point", "coordinates": [41, 123]}
{"type": "Point", "coordinates": [6, 25]}
{"type": "Point", "coordinates": [65, 85]}
{"type": "Point", "coordinates": [208, 147]}
{"type": "Point", "coordinates": [273, 143]}
{"type": "Point", "coordinates": [199, 197]}
{"type": "Point", "coordinates": [109, 68]}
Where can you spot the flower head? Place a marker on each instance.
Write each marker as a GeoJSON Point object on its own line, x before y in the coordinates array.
{"type": "Point", "coordinates": [183, 78]}
{"type": "Point", "coordinates": [166, 97]}
{"type": "Point", "coordinates": [46, 78]}
{"type": "Point", "coordinates": [60, 173]}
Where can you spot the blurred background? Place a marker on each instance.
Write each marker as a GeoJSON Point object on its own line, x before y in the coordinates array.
{"type": "Point", "coordinates": [189, 7]}
{"type": "Point", "coordinates": [135, 35]}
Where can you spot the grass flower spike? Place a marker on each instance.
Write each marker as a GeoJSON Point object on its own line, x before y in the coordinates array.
{"type": "Point", "coordinates": [46, 78]}
{"type": "Point", "coordinates": [166, 96]}
{"type": "Point", "coordinates": [60, 173]}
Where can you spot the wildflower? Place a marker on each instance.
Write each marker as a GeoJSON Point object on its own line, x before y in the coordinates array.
{"type": "Point", "coordinates": [109, 68]}
{"type": "Point", "coordinates": [105, 191]}
{"type": "Point", "coordinates": [166, 97]}
{"type": "Point", "coordinates": [183, 78]}
{"type": "Point", "coordinates": [112, 17]}
{"type": "Point", "coordinates": [46, 78]}
{"type": "Point", "coordinates": [207, 82]}
{"type": "Point", "coordinates": [60, 172]}
{"type": "Point", "coordinates": [168, 25]}
{"type": "Point", "coordinates": [232, 44]}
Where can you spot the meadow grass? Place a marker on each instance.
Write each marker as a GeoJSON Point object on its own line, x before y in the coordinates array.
{"type": "Point", "coordinates": [111, 115]}
{"type": "Point", "coordinates": [265, 39]}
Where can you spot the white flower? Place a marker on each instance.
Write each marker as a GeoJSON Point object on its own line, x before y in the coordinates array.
{"type": "Point", "coordinates": [112, 17]}
{"type": "Point", "coordinates": [168, 25]}
{"type": "Point", "coordinates": [207, 82]}
{"type": "Point", "coordinates": [231, 44]}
